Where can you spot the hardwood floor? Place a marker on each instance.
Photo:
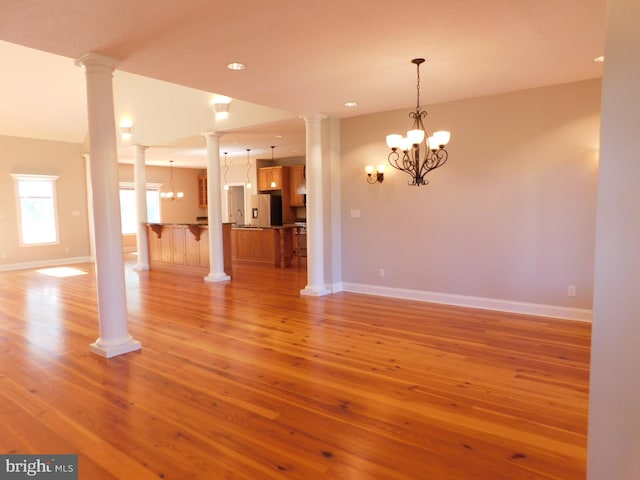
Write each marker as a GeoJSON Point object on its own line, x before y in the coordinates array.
{"type": "Point", "coordinates": [249, 380]}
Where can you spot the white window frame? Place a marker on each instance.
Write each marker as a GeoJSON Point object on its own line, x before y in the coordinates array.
{"type": "Point", "coordinates": [51, 179]}
{"type": "Point", "coordinates": [149, 187]}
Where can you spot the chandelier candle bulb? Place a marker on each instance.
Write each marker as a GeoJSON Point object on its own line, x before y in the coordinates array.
{"type": "Point", "coordinates": [405, 144]}
{"type": "Point", "coordinates": [441, 137]}
{"type": "Point", "coordinates": [394, 141]}
{"type": "Point", "coordinates": [415, 137]}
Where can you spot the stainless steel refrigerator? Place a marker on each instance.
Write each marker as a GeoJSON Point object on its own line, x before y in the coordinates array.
{"type": "Point", "coordinates": [266, 210]}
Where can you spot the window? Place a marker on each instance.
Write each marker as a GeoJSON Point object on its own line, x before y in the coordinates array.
{"type": "Point", "coordinates": [37, 215]}
{"type": "Point", "coordinates": [128, 206]}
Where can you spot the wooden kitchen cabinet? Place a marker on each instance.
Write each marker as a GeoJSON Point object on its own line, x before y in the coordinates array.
{"type": "Point", "coordinates": [269, 175]}
{"type": "Point", "coordinates": [296, 183]}
{"type": "Point", "coordinates": [202, 191]}
{"type": "Point", "coordinates": [184, 248]}
{"type": "Point", "coordinates": [273, 245]}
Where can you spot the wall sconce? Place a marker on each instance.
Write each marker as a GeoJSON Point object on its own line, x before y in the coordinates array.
{"type": "Point", "coordinates": [125, 129]}
{"type": "Point", "coordinates": [220, 106]}
{"type": "Point", "coordinates": [375, 176]}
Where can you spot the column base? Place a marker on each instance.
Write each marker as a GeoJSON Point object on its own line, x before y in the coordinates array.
{"type": "Point", "coordinates": [315, 291]}
{"type": "Point", "coordinates": [108, 351]}
{"type": "Point", "coordinates": [217, 277]}
{"type": "Point", "coordinates": [141, 267]}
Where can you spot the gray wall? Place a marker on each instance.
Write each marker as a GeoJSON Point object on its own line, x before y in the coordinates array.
{"type": "Point", "coordinates": [614, 411]}
{"type": "Point", "coordinates": [511, 216]}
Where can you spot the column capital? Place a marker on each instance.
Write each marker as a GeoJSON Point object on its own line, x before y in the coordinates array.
{"type": "Point", "coordinates": [313, 117]}
{"type": "Point", "coordinates": [140, 148]}
{"type": "Point", "coordinates": [210, 134]}
{"type": "Point", "coordinates": [95, 59]}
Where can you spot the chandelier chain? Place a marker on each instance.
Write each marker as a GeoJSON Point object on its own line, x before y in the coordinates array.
{"type": "Point", "coordinates": [418, 87]}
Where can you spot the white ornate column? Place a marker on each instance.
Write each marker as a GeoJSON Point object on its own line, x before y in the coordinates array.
{"type": "Point", "coordinates": [316, 284]}
{"type": "Point", "coordinates": [112, 307]}
{"type": "Point", "coordinates": [140, 179]}
{"type": "Point", "coordinates": [214, 212]}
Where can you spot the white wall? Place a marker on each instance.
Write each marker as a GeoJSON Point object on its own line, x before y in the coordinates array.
{"type": "Point", "coordinates": [511, 216]}
{"type": "Point", "coordinates": [614, 411]}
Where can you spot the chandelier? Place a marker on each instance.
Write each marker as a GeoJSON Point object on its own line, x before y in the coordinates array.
{"type": "Point", "coordinates": [406, 151]}
{"type": "Point", "coordinates": [171, 195]}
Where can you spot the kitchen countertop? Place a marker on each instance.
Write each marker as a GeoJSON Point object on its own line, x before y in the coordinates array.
{"type": "Point", "coordinates": [258, 227]}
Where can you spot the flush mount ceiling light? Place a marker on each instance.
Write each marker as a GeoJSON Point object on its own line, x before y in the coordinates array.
{"type": "Point", "coordinates": [171, 195]}
{"type": "Point", "coordinates": [236, 66]}
{"type": "Point", "coordinates": [599, 59]}
{"type": "Point", "coordinates": [406, 151]}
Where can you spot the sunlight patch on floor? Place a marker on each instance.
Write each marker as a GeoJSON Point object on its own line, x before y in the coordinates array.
{"type": "Point", "coordinates": [61, 272]}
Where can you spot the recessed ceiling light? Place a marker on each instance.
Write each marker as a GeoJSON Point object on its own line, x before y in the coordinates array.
{"type": "Point", "coordinates": [350, 104]}
{"type": "Point", "coordinates": [236, 66]}
{"type": "Point", "coordinates": [599, 59]}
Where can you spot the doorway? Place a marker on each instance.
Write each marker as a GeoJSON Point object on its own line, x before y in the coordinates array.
{"type": "Point", "coordinates": [236, 206]}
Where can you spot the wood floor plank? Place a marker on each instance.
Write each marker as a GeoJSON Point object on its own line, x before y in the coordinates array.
{"type": "Point", "coordinates": [249, 380]}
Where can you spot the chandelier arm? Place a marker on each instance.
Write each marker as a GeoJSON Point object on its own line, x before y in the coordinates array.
{"type": "Point", "coordinates": [409, 163]}
{"type": "Point", "coordinates": [406, 165]}
{"type": "Point", "coordinates": [434, 160]}
{"type": "Point", "coordinates": [393, 159]}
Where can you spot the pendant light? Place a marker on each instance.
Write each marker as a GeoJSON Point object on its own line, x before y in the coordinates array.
{"type": "Point", "coordinates": [273, 182]}
{"type": "Point", "coordinates": [406, 151]}
{"type": "Point", "coordinates": [248, 169]}
{"type": "Point", "coordinates": [226, 169]}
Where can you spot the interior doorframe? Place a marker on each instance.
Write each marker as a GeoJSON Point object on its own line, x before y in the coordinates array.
{"type": "Point", "coordinates": [236, 200]}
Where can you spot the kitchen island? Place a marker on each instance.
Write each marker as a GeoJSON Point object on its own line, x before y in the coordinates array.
{"type": "Point", "coordinates": [272, 244]}
{"type": "Point", "coordinates": [184, 247]}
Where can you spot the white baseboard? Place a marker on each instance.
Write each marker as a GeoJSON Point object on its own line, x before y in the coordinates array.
{"type": "Point", "coordinates": [552, 311]}
{"type": "Point", "coordinates": [44, 263]}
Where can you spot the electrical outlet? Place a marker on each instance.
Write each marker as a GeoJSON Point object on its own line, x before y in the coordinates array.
{"type": "Point", "coordinates": [381, 272]}
{"type": "Point", "coordinates": [571, 290]}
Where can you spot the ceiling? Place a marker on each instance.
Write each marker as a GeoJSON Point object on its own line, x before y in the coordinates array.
{"type": "Point", "coordinates": [302, 57]}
